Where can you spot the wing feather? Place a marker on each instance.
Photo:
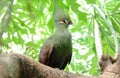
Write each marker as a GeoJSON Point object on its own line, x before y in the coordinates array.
{"type": "Point", "coordinates": [45, 53]}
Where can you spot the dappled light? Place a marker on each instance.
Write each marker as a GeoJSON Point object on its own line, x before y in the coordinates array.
{"type": "Point", "coordinates": [95, 29]}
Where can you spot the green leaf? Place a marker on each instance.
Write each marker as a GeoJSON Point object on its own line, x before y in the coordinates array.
{"type": "Point", "coordinates": [81, 15]}
{"type": "Point", "coordinates": [32, 30]}
{"type": "Point", "coordinates": [105, 35]}
{"type": "Point", "coordinates": [51, 25]}
{"type": "Point", "coordinates": [116, 8]}
{"type": "Point", "coordinates": [91, 1]}
{"type": "Point", "coordinates": [29, 43]}
{"type": "Point", "coordinates": [116, 25]}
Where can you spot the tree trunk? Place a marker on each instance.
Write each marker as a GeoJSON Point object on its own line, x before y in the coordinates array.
{"type": "Point", "coordinates": [21, 66]}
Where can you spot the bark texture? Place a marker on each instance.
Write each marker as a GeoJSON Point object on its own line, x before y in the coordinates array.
{"type": "Point", "coordinates": [21, 66]}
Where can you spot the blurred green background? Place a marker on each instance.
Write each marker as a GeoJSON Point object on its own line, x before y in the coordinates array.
{"type": "Point", "coordinates": [26, 24]}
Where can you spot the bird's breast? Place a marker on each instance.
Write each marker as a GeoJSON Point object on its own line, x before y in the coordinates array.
{"type": "Point", "coordinates": [63, 41]}
{"type": "Point", "coordinates": [63, 38]}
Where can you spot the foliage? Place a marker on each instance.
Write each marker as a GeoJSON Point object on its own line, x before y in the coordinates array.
{"type": "Point", "coordinates": [32, 23]}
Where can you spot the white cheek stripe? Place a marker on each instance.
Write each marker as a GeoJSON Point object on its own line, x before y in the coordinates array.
{"type": "Point", "coordinates": [60, 22]}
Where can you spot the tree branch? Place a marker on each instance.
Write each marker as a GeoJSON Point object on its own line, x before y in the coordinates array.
{"type": "Point", "coordinates": [21, 66]}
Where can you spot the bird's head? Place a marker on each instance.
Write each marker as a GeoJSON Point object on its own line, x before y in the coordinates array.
{"type": "Point", "coordinates": [61, 18]}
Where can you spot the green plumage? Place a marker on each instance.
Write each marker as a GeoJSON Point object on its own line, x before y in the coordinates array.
{"type": "Point", "coordinates": [57, 50]}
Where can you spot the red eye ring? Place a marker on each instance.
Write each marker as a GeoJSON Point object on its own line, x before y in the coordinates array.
{"type": "Point", "coordinates": [64, 20]}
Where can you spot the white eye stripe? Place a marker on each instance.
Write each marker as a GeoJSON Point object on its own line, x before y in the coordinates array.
{"type": "Point", "coordinates": [63, 21]}
{"type": "Point", "coordinates": [66, 21]}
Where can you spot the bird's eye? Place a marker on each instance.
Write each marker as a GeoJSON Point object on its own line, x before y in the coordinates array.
{"type": "Point", "coordinates": [64, 21]}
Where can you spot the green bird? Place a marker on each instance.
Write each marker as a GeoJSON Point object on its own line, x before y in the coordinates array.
{"type": "Point", "coordinates": [56, 52]}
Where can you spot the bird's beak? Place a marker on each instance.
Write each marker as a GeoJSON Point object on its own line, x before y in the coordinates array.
{"type": "Point", "coordinates": [70, 23]}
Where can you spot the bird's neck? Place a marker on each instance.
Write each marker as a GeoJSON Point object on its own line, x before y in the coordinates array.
{"type": "Point", "coordinates": [60, 30]}
{"type": "Point", "coordinates": [62, 33]}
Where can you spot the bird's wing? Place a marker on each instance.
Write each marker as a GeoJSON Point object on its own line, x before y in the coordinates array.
{"type": "Point", "coordinates": [45, 52]}
{"type": "Point", "coordinates": [67, 61]}
{"type": "Point", "coordinates": [68, 58]}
